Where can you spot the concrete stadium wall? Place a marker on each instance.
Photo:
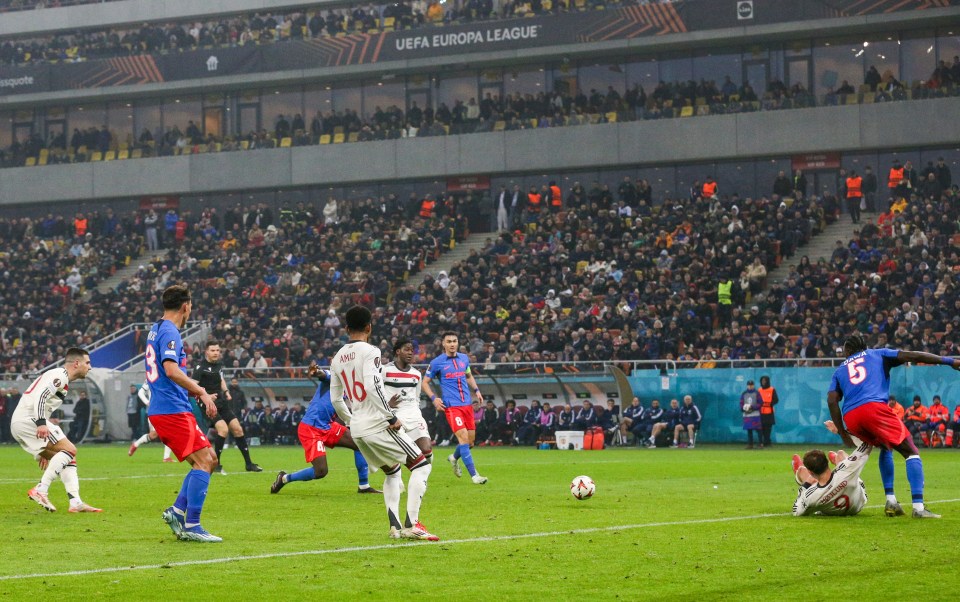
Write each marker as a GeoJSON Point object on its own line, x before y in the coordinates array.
{"type": "Point", "coordinates": [889, 126]}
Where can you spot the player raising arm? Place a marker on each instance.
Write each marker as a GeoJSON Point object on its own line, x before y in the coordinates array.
{"type": "Point", "coordinates": [171, 414]}
{"type": "Point", "coordinates": [862, 382]}
{"type": "Point", "coordinates": [452, 370]}
{"type": "Point", "coordinates": [46, 442]}
{"type": "Point", "coordinates": [355, 372]}
{"type": "Point", "coordinates": [837, 492]}
{"type": "Point", "coordinates": [317, 432]}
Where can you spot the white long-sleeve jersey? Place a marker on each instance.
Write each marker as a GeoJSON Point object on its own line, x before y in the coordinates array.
{"type": "Point", "coordinates": [405, 383]}
{"type": "Point", "coordinates": [355, 372]}
{"type": "Point", "coordinates": [844, 495]}
{"type": "Point", "coordinates": [43, 397]}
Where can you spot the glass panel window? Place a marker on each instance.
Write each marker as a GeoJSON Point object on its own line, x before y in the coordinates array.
{"type": "Point", "coordinates": [346, 98]}
{"type": "Point", "coordinates": [838, 63]}
{"type": "Point", "coordinates": [646, 73]}
{"type": "Point", "coordinates": [381, 95]}
{"type": "Point", "coordinates": [523, 81]}
{"type": "Point", "coordinates": [179, 112]}
{"type": "Point", "coordinates": [948, 46]}
{"type": "Point", "coordinates": [120, 122]}
{"type": "Point", "coordinates": [601, 77]}
{"type": "Point", "coordinates": [715, 67]}
{"type": "Point", "coordinates": [917, 56]}
{"type": "Point", "coordinates": [148, 116]}
{"type": "Point", "coordinates": [676, 68]}
{"type": "Point", "coordinates": [275, 104]}
{"type": "Point", "coordinates": [457, 87]}
{"type": "Point", "coordinates": [86, 118]}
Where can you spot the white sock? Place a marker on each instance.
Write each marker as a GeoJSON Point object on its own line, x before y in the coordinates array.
{"type": "Point", "coordinates": [166, 452]}
{"type": "Point", "coordinates": [892, 499]}
{"type": "Point", "coordinates": [416, 487]}
{"type": "Point", "coordinates": [54, 468]}
{"type": "Point", "coordinates": [71, 482]}
{"type": "Point", "coordinates": [391, 496]}
{"type": "Point", "coordinates": [143, 439]}
{"type": "Point", "coordinates": [918, 506]}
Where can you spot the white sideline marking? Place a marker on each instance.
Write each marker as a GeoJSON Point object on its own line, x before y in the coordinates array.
{"type": "Point", "coordinates": [392, 546]}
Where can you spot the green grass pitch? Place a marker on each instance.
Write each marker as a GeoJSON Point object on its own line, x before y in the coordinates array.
{"type": "Point", "coordinates": [704, 524]}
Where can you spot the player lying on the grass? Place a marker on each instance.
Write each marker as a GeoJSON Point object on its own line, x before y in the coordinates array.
{"type": "Point", "coordinates": [46, 442]}
{"type": "Point", "coordinates": [837, 492]}
{"type": "Point", "coordinates": [862, 382]}
{"type": "Point", "coordinates": [401, 383]}
{"type": "Point", "coordinates": [209, 375]}
{"type": "Point", "coordinates": [356, 374]}
{"type": "Point", "coordinates": [151, 435]}
{"type": "Point", "coordinates": [317, 432]}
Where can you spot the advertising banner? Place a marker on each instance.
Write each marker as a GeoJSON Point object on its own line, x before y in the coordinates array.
{"type": "Point", "coordinates": [440, 41]}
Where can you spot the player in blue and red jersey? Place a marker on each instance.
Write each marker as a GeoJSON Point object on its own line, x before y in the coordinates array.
{"type": "Point", "coordinates": [171, 414]}
{"type": "Point", "coordinates": [452, 371]}
{"type": "Point", "coordinates": [317, 432]}
{"type": "Point", "coordinates": [863, 383]}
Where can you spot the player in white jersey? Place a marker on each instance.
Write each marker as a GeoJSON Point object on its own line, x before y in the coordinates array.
{"type": "Point", "coordinates": [46, 442]}
{"type": "Point", "coordinates": [401, 383]}
{"type": "Point", "coordinates": [144, 395]}
{"type": "Point", "coordinates": [837, 492]}
{"type": "Point", "coordinates": [355, 371]}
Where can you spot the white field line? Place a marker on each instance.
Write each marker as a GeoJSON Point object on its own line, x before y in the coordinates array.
{"type": "Point", "coordinates": [391, 546]}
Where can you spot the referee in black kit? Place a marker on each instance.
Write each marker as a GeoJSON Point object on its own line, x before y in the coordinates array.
{"type": "Point", "coordinates": [209, 375]}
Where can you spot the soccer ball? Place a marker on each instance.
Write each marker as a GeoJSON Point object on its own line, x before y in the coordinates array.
{"type": "Point", "coordinates": [582, 487]}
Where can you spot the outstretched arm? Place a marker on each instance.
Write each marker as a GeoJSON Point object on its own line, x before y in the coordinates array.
{"type": "Point", "coordinates": [921, 357]}
{"type": "Point", "coordinates": [833, 402]}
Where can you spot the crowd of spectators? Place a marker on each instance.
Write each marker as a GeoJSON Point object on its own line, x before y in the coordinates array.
{"type": "Point", "coordinates": [271, 286]}
{"type": "Point", "coordinates": [45, 265]}
{"type": "Point", "coordinates": [490, 113]}
{"type": "Point", "coordinates": [277, 26]}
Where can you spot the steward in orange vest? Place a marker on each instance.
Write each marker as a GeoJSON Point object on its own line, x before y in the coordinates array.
{"type": "Point", "coordinates": [426, 207]}
{"type": "Point", "coordinates": [556, 200]}
{"type": "Point", "coordinates": [534, 199]}
{"type": "Point", "coordinates": [709, 188]}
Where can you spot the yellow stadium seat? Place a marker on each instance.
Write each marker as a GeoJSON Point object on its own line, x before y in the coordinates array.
{"type": "Point", "coordinates": [110, 156]}
{"type": "Point", "coordinates": [612, 117]}
{"type": "Point", "coordinates": [286, 142]}
{"type": "Point", "coordinates": [96, 156]}
{"type": "Point", "coordinates": [325, 139]}
{"type": "Point", "coordinates": [122, 154]}
{"type": "Point", "coordinates": [499, 126]}
{"type": "Point", "coordinates": [686, 112]}
{"type": "Point", "coordinates": [245, 144]}
{"type": "Point", "coordinates": [389, 23]}
{"type": "Point", "coordinates": [339, 138]}
{"type": "Point", "coordinates": [44, 156]}
{"type": "Point", "coordinates": [136, 153]}
{"type": "Point", "coordinates": [30, 162]}
{"type": "Point", "coordinates": [353, 137]}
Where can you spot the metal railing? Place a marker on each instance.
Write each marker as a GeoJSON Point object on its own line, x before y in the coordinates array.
{"type": "Point", "coordinates": [116, 334]}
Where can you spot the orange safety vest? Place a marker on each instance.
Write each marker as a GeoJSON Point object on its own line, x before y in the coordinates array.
{"type": "Point", "coordinates": [896, 176]}
{"type": "Point", "coordinates": [709, 189]}
{"type": "Point", "coordinates": [853, 187]}
{"type": "Point", "coordinates": [426, 208]}
{"type": "Point", "coordinates": [555, 198]}
{"type": "Point", "coordinates": [939, 412]}
{"type": "Point", "coordinates": [80, 226]}
{"type": "Point", "coordinates": [766, 400]}
{"type": "Point", "coordinates": [534, 199]}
